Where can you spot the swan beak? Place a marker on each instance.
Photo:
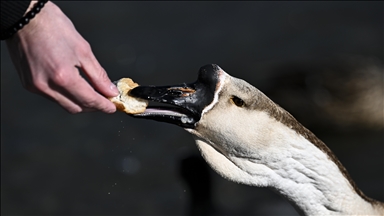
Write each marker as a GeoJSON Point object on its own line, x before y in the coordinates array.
{"type": "Point", "coordinates": [187, 100]}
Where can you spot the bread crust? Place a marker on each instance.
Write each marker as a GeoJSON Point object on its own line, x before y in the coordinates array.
{"type": "Point", "coordinates": [126, 103]}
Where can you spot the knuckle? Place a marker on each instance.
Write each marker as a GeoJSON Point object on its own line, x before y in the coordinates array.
{"type": "Point", "coordinates": [61, 78]}
{"type": "Point", "coordinates": [103, 76]}
{"type": "Point", "coordinates": [89, 103]}
{"type": "Point", "coordinates": [84, 49]}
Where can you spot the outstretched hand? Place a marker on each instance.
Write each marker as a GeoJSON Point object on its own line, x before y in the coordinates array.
{"type": "Point", "coordinates": [49, 55]}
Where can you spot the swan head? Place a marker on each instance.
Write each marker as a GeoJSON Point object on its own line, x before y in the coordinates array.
{"type": "Point", "coordinates": [213, 90]}
{"type": "Point", "coordinates": [229, 118]}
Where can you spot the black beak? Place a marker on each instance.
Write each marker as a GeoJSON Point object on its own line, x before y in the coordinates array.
{"type": "Point", "coordinates": [189, 100]}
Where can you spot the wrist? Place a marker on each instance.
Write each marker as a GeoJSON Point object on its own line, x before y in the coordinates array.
{"type": "Point", "coordinates": [33, 9]}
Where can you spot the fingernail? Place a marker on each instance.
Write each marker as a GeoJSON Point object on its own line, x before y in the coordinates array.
{"type": "Point", "coordinates": [114, 88]}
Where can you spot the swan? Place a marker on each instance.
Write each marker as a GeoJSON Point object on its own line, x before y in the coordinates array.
{"type": "Point", "coordinates": [247, 138]}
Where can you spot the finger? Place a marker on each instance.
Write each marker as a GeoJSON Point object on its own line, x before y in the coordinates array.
{"type": "Point", "coordinates": [52, 93]}
{"type": "Point", "coordinates": [65, 101]}
{"type": "Point", "coordinates": [98, 76]}
{"type": "Point", "coordinates": [81, 93]}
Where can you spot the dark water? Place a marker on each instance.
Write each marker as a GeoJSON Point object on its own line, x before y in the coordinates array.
{"type": "Point", "coordinates": [55, 163]}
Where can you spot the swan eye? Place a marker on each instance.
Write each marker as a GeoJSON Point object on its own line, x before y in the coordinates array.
{"type": "Point", "coordinates": [237, 101]}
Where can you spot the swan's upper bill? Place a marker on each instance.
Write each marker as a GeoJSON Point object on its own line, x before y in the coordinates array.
{"type": "Point", "coordinates": [247, 138]}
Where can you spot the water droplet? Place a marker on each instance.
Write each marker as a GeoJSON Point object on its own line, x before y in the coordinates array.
{"type": "Point", "coordinates": [109, 193]}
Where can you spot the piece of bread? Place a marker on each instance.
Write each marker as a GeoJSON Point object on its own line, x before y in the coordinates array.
{"type": "Point", "coordinates": [126, 103]}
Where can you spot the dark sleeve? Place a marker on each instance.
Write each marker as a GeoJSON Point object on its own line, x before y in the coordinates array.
{"type": "Point", "coordinates": [11, 13]}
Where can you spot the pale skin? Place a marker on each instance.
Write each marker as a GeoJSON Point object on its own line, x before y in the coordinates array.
{"type": "Point", "coordinates": [49, 55]}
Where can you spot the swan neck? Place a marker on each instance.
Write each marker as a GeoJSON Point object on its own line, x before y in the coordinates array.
{"type": "Point", "coordinates": [314, 184]}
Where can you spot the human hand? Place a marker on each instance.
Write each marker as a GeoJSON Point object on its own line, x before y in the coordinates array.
{"type": "Point", "coordinates": [48, 54]}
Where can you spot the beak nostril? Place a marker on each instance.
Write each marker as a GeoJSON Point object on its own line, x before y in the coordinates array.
{"type": "Point", "coordinates": [181, 91]}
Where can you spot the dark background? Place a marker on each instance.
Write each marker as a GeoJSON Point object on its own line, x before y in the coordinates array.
{"type": "Point", "coordinates": [299, 53]}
